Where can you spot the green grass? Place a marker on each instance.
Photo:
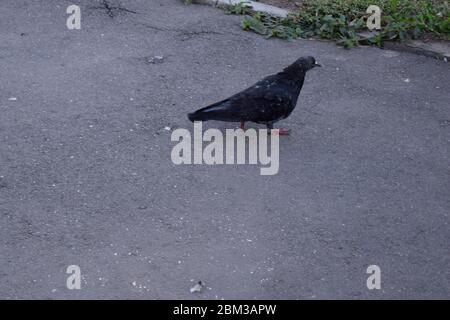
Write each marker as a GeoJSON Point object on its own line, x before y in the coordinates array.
{"type": "Point", "coordinates": [345, 20]}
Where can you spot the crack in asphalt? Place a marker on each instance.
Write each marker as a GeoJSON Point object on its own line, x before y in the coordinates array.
{"type": "Point", "coordinates": [112, 9]}
{"type": "Point", "coordinates": [187, 35]}
{"type": "Point", "coordinates": [183, 33]}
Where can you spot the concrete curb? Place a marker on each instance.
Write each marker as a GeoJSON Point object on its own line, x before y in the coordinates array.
{"type": "Point", "coordinates": [255, 6]}
{"type": "Point", "coordinates": [435, 49]}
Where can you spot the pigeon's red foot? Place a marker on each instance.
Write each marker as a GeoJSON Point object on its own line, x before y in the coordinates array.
{"type": "Point", "coordinates": [284, 132]}
{"type": "Point", "coordinates": [242, 126]}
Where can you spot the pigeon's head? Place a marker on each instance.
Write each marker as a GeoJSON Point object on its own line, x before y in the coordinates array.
{"type": "Point", "coordinates": [303, 64]}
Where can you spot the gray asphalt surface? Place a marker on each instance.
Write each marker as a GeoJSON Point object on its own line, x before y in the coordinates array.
{"type": "Point", "coordinates": [87, 179]}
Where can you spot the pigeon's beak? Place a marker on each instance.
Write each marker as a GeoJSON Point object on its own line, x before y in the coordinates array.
{"type": "Point", "coordinates": [317, 65]}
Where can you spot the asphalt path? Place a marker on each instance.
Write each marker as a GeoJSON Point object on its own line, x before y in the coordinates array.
{"type": "Point", "coordinates": [86, 176]}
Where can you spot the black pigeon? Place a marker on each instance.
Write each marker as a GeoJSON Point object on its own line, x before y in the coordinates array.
{"type": "Point", "coordinates": [268, 101]}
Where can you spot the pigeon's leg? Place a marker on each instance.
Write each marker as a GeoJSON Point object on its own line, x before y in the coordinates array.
{"type": "Point", "coordinates": [242, 125]}
{"type": "Point", "coordinates": [284, 132]}
{"type": "Point", "coordinates": [281, 131]}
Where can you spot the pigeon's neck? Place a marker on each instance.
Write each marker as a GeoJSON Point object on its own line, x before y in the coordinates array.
{"type": "Point", "coordinates": [293, 76]}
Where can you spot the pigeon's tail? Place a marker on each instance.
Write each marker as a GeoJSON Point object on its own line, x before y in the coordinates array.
{"type": "Point", "coordinates": [196, 116]}
{"type": "Point", "coordinates": [218, 111]}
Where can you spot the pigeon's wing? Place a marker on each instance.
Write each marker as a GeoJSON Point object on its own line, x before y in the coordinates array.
{"type": "Point", "coordinates": [266, 101]}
